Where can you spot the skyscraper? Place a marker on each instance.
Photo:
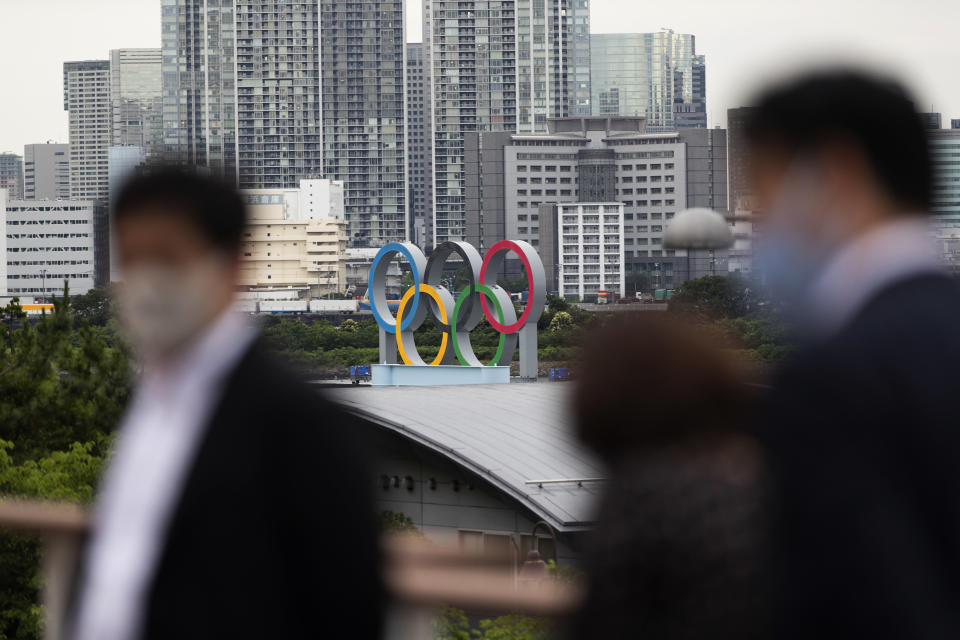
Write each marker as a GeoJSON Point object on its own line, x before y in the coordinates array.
{"type": "Point", "coordinates": [738, 161]}
{"type": "Point", "coordinates": [199, 67]}
{"type": "Point", "coordinates": [86, 98]}
{"type": "Point", "coordinates": [655, 75]}
{"type": "Point", "coordinates": [137, 99]}
{"type": "Point", "coordinates": [46, 171]}
{"type": "Point", "coordinates": [364, 140]}
{"type": "Point", "coordinates": [244, 95]}
{"type": "Point", "coordinates": [278, 92]}
{"type": "Point", "coordinates": [578, 77]}
{"type": "Point", "coordinates": [497, 65]}
{"type": "Point", "coordinates": [11, 175]}
{"type": "Point", "coordinates": [419, 138]}
{"type": "Point", "coordinates": [944, 149]}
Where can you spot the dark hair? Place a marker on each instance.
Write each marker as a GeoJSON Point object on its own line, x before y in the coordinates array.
{"type": "Point", "coordinates": [213, 205]}
{"type": "Point", "coordinates": [652, 380]}
{"type": "Point", "coordinates": [876, 115]}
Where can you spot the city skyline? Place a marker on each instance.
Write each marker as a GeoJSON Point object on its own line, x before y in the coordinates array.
{"type": "Point", "coordinates": [911, 41]}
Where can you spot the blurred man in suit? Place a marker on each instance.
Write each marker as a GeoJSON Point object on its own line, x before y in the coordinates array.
{"type": "Point", "coordinates": [234, 506]}
{"type": "Point", "coordinates": [862, 426]}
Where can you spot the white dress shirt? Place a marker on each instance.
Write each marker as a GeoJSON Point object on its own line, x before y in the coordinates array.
{"type": "Point", "coordinates": [158, 441]}
{"type": "Point", "coordinates": [866, 265]}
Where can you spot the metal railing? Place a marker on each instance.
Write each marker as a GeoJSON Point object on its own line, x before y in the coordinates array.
{"type": "Point", "coordinates": [420, 577]}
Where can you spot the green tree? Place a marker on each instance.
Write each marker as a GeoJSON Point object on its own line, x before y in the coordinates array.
{"type": "Point", "coordinates": [58, 385]}
{"type": "Point", "coordinates": [396, 523]}
{"type": "Point", "coordinates": [61, 384]}
{"type": "Point", "coordinates": [63, 475]}
{"type": "Point", "coordinates": [453, 624]}
{"type": "Point", "coordinates": [94, 307]}
{"type": "Point", "coordinates": [560, 321]}
{"type": "Point", "coordinates": [714, 297]}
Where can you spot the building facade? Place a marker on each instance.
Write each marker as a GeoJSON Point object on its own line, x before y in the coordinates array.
{"type": "Point", "coordinates": [11, 174]}
{"type": "Point", "coordinates": [578, 75]}
{"type": "Point", "coordinates": [296, 238]}
{"type": "Point", "coordinates": [945, 154]}
{"type": "Point", "coordinates": [590, 248]}
{"type": "Point", "coordinates": [658, 76]}
{"type": "Point", "coordinates": [598, 160]}
{"type": "Point", "coordinates": [739, 196]}
{"type": "Point", "coordinates": [497, 66]}
{"type": "Point", "coordinates": [364, 141]}
{"type": "Point", "coordinates": [419, 144]}
{"type": "Point", "coordinates": [278, 109]}
{"type": "Point", "coordinates": [199, 67]}
{"type": "Point", "coordinates": [47, 242]}
{"type": "Point", "coordinates": [137, 100]}
{"type": "Point", "coordinates": [46, 171]}
{"type": "Point", "coordinates": [86, 98]}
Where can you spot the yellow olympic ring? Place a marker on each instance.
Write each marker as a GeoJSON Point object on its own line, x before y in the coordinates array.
{"type": "Point", "coordinates": [427, 289]}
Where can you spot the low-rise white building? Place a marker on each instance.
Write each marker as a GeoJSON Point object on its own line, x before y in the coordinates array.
{"type": "Point", "coordinates": [47, 242]}
{"type": "Point", "coordinates": [296, 238]}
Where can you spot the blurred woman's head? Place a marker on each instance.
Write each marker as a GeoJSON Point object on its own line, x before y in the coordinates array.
{"type": "Point", "coordinates": [653, 379]}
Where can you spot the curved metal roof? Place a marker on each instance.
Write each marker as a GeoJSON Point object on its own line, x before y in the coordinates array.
{"type": "Point", "coordinates": [509, 434]}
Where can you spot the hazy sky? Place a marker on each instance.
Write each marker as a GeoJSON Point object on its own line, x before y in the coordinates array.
{"type": "Point", "coordinates": [746, 43]}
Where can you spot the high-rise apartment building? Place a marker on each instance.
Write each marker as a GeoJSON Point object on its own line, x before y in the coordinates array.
{"type": "Point", "coordinates": [269, 92]}
{"type": "Point", "coordinates": [655, 75]}
{"type": "Point", "coordinates": [11, 175]}
{"type": "Point", "coordinates": [86, 98]}
{"type": "Point", "coordinates": [497, 65]}
{"type": "Point", "coordinates": [419, 140]}
{"type": "Point", "coordinates": [364, 141]}
{"type": "Point", "coordinates": [137, 99]}
{"type": "Point", "coordinates": [46, 171]}
{"type": "Point", "coordinates": [199, 67]}
{"type": "Point", "coordinates": [278, 92]}
{"type": "Point", "coordinates": [578, 76]}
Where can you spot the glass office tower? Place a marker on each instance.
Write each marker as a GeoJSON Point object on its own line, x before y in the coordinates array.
{"type": "Point", "coordinates": [655, 75]}
{"type": "Point", "coordinates": [137, 99]}
{"type": "Point", "coordinates": [198, 45]}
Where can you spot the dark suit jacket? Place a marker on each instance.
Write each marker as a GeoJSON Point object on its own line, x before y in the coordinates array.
{"type": "Point", "coordinates": [274, 535]}
{"type": "Point", "coordinates": [864, 435]}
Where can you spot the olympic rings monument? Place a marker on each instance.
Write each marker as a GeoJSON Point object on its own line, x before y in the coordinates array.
{"type": "Point", "coordinates": [456, 362]}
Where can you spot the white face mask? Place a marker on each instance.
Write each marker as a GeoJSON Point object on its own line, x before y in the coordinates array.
{"type": "Point", "coordinates": [803, 229]}
{"type": "Point", "coordinates": [162, 308]}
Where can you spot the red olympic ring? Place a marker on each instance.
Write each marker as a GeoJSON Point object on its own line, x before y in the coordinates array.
{"type": "Point", "coordinates": [506, 245]}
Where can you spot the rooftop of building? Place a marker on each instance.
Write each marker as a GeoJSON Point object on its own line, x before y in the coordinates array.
{"type": "Point", "coordinates": [511, 435]}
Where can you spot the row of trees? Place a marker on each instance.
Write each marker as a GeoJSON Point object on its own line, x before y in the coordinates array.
{"type": "Point", "coordinates": [739, 313]}
{"type": "Point", "coordinates": [64, 382]}
{"type": "Point", "coordinates": [325, 345]}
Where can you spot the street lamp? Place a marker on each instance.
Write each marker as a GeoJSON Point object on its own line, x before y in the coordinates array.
{"type": "Point", "coordinates": [43, 280]}
{"type": "Point", "coordinates": [534, 570]}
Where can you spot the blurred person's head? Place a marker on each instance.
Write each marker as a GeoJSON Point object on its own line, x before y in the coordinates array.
{"type": "Point", "coordinates": [177, 236]}
{"type": "Point", "coordinates": [833, 155]}
{"type": "Point", "coordinates": [654, 380]}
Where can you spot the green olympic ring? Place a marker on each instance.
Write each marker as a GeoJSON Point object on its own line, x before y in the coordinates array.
{"type": "Point", "coordinates": [471, 360]}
